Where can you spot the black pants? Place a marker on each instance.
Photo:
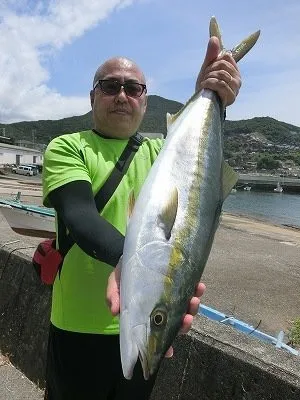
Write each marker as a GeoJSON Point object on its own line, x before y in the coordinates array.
{"type": "Point", "coordinates": [88, 367]}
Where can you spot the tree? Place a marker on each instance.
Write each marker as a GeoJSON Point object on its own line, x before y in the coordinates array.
{"type": "Point", "coordinates": [268, 162]}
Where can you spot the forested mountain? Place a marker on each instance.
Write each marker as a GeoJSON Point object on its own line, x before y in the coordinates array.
{"type": "Point", "coordinates": [246, 141]}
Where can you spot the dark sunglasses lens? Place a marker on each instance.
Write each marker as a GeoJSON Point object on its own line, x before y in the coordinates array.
{"type": "Point", "coordinates": [110, 87]}
{"type": "Point", "coordinates": [133, 89]}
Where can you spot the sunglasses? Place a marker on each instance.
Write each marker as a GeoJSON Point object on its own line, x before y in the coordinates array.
{"type": "Point", "coordinates": [112, 87]}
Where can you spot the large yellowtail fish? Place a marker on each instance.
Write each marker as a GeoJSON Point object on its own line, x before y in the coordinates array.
{"type": "Point", "coordinates": [172, 227]}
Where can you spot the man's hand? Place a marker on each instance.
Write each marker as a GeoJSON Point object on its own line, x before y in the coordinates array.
{"type": "Point", "coordinates": [220, 74]}
{"type": "Point", "coordinates": [113, 290]}
{"type": "Point", "coordinates": [113, 301]}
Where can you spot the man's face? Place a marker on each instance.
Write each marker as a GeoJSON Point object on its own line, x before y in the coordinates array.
{"type": "Point", "coordinates": [118, 115]}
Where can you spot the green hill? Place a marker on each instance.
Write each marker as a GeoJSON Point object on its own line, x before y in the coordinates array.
{"type": "Point", "coordinates": [268, 129]}
{"type": "Point", "coordinates": [44, 130]}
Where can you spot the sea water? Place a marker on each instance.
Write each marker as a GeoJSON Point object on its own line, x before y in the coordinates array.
{"type": "Point", "coordinates": [279, 208]}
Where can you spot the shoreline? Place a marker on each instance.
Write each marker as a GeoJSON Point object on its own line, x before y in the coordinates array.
{"type": "Point", "coordinates": [260, 227]}
{"type": "Point", "coordinates": [265, 221]}
{"type": "Point", "coordinates": [31, 193]}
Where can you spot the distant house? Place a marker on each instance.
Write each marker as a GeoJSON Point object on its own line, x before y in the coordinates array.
{"type": "Point", "coordinates": [10, 154]}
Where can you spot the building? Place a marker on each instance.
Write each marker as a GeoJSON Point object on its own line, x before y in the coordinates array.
{"type": "Point", "coordinates": [152, 135]}
{"type": "Point", "coordinates": [10, 154]}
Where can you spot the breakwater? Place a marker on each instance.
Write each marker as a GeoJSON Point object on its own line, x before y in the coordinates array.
{"type": "Point", "coordinates": [268, 182]}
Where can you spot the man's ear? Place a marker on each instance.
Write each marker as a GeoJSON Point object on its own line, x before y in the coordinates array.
{"type": "Point", "coordinates": [92, 97]}
{"type": "Point", "coordinates": [146, 102]}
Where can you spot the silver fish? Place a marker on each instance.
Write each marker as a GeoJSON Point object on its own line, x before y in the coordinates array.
{"type": "Point", "coordinates": [172, 227]}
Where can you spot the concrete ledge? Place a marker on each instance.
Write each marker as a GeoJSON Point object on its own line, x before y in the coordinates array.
{"type": "Point", "coordinates": [212, 362]}
{"type": "Point", "coordinates": [217, 362]}
{"type": "Point", "coordinates": [24, 313]}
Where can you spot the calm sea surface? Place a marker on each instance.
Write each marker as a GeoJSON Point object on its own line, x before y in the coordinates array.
{"type": "Point", "coordinates": [280, 208]}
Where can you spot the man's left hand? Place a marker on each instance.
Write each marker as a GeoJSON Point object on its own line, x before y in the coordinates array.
{"type": "Point", "coordinates": [113, 301]}
{"type": "Point", "coordinates": [219, 73]}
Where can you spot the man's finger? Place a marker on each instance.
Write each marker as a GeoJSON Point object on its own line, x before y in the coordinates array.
{"type": "Point", "coordinates": [169, 353]}
{"type": "Point", "coordinates": [186, 323]}
{"type": "Point", "coordinates": [200, 289]}
{"type": "Point", "coordinates": [194, 306]}
{"type": "Point", "coordinates": [212, 52]}
{"type": "Point", "coordinates": [112, 294]}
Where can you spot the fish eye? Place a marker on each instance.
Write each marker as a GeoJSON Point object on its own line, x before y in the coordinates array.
{"type": "Point", "coordinates": [159, 318]}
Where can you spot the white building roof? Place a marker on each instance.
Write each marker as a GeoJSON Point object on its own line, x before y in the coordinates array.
{"type": "Point", "coordinates": [4, 146]}
{"type": "Point", "coordinates": [152, 135]}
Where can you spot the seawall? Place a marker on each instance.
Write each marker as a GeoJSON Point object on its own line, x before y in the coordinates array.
{"type": "Point", "coordinates": [212, 362]}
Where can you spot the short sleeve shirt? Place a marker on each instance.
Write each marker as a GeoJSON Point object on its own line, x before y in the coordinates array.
{"type": "Point", "coordinates": [79, 293]}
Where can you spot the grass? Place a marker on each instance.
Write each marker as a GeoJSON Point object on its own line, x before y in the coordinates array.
{"type": "Point", "coordinates": [294, 333]}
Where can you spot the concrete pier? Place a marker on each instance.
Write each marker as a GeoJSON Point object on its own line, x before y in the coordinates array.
{"type": "Point", "coordinates": [269, 182]}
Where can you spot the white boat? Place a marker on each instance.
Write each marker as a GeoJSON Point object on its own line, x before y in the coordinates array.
{"type": "Point", "coordinates": [278, 189]}
{"type": "Point", "coordinates": [29, 220]}
{"type": "Point", "coordinates": [247, 188]}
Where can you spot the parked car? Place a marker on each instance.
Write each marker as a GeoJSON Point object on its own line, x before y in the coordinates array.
{"type": "Point", "coordinates": [35, 168]}
{"type": "Point", "coordinates": [23, 170]}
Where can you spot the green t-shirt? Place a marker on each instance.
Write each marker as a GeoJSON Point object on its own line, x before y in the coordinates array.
{"type": "Point", "coordinates": [79, 294]}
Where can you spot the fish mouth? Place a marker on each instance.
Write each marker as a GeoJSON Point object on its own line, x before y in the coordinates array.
{"type": "Point", "coordinates": [145, 364]}
{"type": "Point", "coordinates": [133, 348]}
{"type": "Point", "coordinates": [140, 334]}
{"type": "Point", "coordinates": [148, 358]}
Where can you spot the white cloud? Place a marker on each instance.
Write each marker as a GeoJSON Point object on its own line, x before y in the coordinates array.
{"type": "Point", "coordinates": [29, 31]}
{"type": "Point", "coordinates": [32, 31]}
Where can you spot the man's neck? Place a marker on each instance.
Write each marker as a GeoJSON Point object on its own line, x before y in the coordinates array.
{"type": "Point", "coordinates": [103, 134]}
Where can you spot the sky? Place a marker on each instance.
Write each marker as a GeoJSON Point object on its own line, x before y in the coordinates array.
{"type": "Point", "coordinates": [50, 50]}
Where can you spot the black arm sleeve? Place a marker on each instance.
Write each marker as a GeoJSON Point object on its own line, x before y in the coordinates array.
{"type": "Point", "coordinates": [74, 203]}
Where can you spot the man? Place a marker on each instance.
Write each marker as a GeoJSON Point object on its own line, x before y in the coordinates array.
{"type": "Point", "coordinates": [83, 352]}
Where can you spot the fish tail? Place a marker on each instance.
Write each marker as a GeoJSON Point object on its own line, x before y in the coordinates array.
{"type": "Point", "coordinates": [214, 30]}
{"type": "Point", "coordinates": [239, 51]}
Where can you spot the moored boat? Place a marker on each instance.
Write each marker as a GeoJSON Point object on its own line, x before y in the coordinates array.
{"type": "Point", "coordinates": [278, 189]}
{"type": "Point", "coordinates": [27, 219]}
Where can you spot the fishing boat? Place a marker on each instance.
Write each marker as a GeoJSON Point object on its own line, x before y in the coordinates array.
{"type": "Point", "coordinates": [247, 188]}
{"type": "Point", "coordinates": [27, 219]}
{"type": "Point", "coordinates": [278, 189]}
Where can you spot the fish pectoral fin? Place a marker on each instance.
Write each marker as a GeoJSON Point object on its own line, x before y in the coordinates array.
{"type": "Point", "coordinates": [230, 178]}
{"type": "Point", "coordinates": [168, 214]}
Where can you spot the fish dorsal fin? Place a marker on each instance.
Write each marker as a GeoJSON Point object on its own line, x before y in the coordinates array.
{"type": "Point", "coordinates": [238, 51]}
{"type": "Point", "coordinates": [230, 178]}
{"type": "Point", "coordinates": [170, 119]}
{"type": "Point", "coordinates": [131, 202]}
{"type": "Point", "coordinates": [168, 214]}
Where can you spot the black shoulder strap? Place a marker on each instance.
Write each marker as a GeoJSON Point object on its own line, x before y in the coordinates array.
{"type": "Point", "coordinates": [120, 169]}
{"type": "Point", "coordinates": [107, 190]}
